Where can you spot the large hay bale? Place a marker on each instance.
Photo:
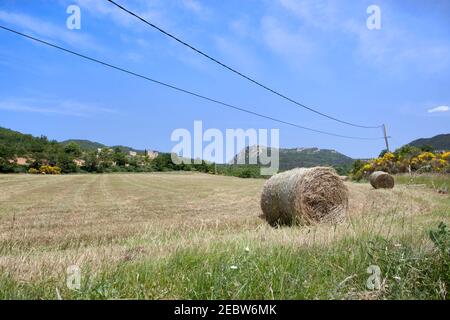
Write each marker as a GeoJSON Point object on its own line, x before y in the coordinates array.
{"type": "Point", "coordinates": [304, 196]}
{"type": "Point", "coordinates": [381, 180]}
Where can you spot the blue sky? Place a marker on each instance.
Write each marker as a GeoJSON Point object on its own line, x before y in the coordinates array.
{"type": "Point", "coordinates": [320, 53]}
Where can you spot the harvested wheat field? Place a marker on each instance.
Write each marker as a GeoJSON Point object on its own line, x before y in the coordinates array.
{"type": "Point", "coordinates": [199, 236]}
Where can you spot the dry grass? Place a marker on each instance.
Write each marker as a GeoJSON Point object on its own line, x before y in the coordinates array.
{"type": "Point", "coordinates": [97, 221]}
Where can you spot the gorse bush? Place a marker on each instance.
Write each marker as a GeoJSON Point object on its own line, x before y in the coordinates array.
{"type": "Point", "coordinates": [404, 160]}
{"type": "Point", "coordinates": [33, 171]}
{"type": "Point", "coordinates": [45, 170]}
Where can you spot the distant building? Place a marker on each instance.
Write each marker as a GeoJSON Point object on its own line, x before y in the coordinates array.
{"type": "Point", "coordinates": [132, 153]}
{"type": "Point", "coordinates": [20, 161]}
{"type": "Point", "coordinates": [79, 162]}
{"type": "Point", "coordinates": [106, 149]}
{"type": "Point", "coordinates": [152, 154]}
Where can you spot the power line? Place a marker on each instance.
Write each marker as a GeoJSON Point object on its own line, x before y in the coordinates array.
{"type": "Point", "coordinates": [181, 89]}
{"type": "Point", "coordinates": [238, 72]}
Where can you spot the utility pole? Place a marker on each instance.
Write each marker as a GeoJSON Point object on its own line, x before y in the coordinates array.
{"type": "Point", "coordinates": [385, 137]}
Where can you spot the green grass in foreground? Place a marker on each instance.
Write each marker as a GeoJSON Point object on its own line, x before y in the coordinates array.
{"type": "Point", "coordinates": [338, 271]}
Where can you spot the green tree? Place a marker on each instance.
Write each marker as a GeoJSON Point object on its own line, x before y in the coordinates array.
{"type": "Point", "coordinates": [426, 148]}
{"type": "Point", "coordinates": [73, 149]}
{"type": "Point", "coordinates": [65, 162]}
{"type": "Point", "coordinates": [406, 152]}
{"type": "Point", "coordinates": [119, 157]}
{"type": "Point", "coordinates": [91, 163]}
{"type": "Point", "coordinates": [6, 166]}
{"type": "Point", "coordinates": [163, 162]}
{"type": "Point", "coordinates": [382, 153]}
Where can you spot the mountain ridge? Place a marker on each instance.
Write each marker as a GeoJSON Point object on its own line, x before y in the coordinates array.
{"type": "Point", "coordinates": [295, 157]}
{"type": "Point", "coordinates": [438, 142]}
{"type": "Point", "coordinates": [88, 145]}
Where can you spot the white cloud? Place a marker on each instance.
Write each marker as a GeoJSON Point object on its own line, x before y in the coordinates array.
{"type": "Point", "coordinates": [315, 13]}
{"type": "Point", "coordinates": [241, 27]}
{"type": "Point", "coordinates": [193, 5]}
{"type": "Point", "coordinates": [397, 47]}
{"type": "Point", "coordinates": [288, 43]}
{"type": "Point", "coordinates": [197, 8]}
{"type": "Point", "coordinates": [54, 106]}
{"type": "Point", "coordinates": [144, 9]}
{"type": "Point", "coordinates": [238, 54]}
{"type": "Point", "coordinates": [48, 30]}
{"type": "Point", "coordinates": [439, 109]}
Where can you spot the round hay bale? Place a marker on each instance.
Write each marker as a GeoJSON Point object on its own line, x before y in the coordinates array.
{"type": "Point", "coordinates": [304, 196]}
{"type": "Point", "coordinates": [381, 180]}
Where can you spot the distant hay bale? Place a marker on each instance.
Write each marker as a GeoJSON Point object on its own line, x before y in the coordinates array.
{"type": "Point", "coordinates": [381, 180]}
{"type": "Point", "coordinates": [304, 196]}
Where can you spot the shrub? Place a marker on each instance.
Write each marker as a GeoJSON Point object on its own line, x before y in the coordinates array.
{"type": "Point", "coordinates": [404, 159]}
{"type": "Point", "coordinates": [49, 170]}
{"type": "Point", "coordinates": [245, 173]}
{"type": "Point", "coordinates": [446, 156]}
{"type": "Point", "coordinates": [33, 171]}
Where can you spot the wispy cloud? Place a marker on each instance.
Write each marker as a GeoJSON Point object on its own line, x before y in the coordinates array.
{"type": "Point", "coordinates": [54, 106]}
{"type": "Point", "coordinates": [286, 42]}
{"type": "Point", "coordinates": [238, 54]}
{"type": "Point", "coordinates": [395, 48]}
{"type": "Point", "coordinates": [48, 30]}
{"type": "Point", "coordinates": [198, 8]}
{"type": "Point", "coordinates": [439, 109]}
{"type": "Point", "coordinates": [145, 9]}
{"type": "Point", "coordinates": [313, 13]}
{"type": "Point", "coordinates": [242, 27]}
{"type": "Point", "coordinates": [193, 5]}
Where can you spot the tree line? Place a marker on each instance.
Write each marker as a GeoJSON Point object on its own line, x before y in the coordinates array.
{"type": "Point", "coordinates": [21, 153]}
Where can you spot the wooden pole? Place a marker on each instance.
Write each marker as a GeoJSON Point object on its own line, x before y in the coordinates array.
{"type": "Point", "coordinates": [385, 137]}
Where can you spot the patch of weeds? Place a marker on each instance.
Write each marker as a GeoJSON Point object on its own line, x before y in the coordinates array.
{"type": "Point", "coordinates": [408, 273]}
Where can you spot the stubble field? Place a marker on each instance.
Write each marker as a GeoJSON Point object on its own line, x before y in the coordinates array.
{"type": "Point", "coordinates": [199, 236]}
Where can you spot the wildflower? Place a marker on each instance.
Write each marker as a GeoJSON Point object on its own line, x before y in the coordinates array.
{"type": "Point", "coordinates": [446, 155]}
{"type": "Point", "coordinates": [233, 267]}
{"type": "Point", "coordinates": [388, 156]}
{"type": "Point", "coordinates": [426, 156]}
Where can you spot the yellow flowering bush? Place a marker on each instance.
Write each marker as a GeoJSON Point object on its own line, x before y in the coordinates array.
{"type": "Point", "coordinates": [367, 167]}
{"type": "Point", "coordinates": [438, 164]}
{"type": "Point", "coordinates": [388, 156]}
{"type": "Point", "coordinates": [405, 160]}
{"type": "Point", "coordinates": [33, 171]}
{"type": "Point", "coordinates": [49, 170]}
{"type": "Point", "coordinates": [426, 156]}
